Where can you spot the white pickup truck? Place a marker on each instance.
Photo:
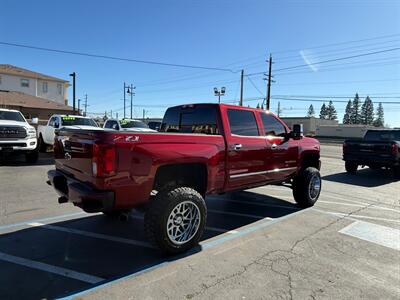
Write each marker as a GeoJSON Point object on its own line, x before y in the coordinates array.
{"type": "Point", "coordinates": [45, 133]}
{"type": "Point", "coordinates": [17, 136]}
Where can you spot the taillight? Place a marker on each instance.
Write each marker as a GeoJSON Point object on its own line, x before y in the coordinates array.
{"type": "Point", "coordinates": [395, 149]}
{"type": "Point", "coordinates": [104, 160]}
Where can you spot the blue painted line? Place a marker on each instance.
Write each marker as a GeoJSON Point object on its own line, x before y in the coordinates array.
{"type": "Point", "coordinates": [22, 224]}
{"type": "Point", "coordinates": [206, 245]}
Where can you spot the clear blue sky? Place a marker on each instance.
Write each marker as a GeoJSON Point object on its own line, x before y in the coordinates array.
{"type": "Point", "coordinates": [232, 34]}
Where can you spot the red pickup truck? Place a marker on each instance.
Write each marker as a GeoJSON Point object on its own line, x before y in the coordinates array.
{"type": "Point", "coordinates": [200, 149]}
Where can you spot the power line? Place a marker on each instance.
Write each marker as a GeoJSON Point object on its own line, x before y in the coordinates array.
{"type": "Point", "coordinates": [116, 58]}
{"type": "Point", "coordinates": [253, 84]}
{"type": "Point", "coordinates": [340, 43]}
{"type": "Point", "coordinates": [330, 60]}
{"type": "Point", "coordinates": [325, 100]}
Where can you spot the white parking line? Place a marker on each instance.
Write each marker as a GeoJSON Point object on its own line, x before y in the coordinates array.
{"type": "Point", "coordinates": [359, 205]}
{"type": "Point", "coordinates": [93, 235]}
{"type": "Point", "coordinates": [377, 234]}
{"type": "Point", "coordinates": [352, 216]}
{"type": "Point", "coordinates": [49, 268]}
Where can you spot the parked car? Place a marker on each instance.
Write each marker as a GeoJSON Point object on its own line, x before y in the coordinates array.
{"type": "Point", "coordinates": [17, 136]}
{"type": "Point", "coordinates": [202, 149]}
{"type": "Point", "coordinates": [45, 133]}
{"type": "Point", "coordinates": [378, 149]}
{"type": "Point", "coordinates": [154, 125]}
{"type": "Point", "coordinates": [127, 125]}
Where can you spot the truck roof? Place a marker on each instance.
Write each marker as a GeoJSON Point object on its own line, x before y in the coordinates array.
{"type": "Point", "coordinates": [220, 104]}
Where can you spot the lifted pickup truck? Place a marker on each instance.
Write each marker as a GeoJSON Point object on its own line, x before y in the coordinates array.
{"type": "Point", "coordinates": [46, 134]}
{"type": "Point", "coordinates": [202, 149]}
{"type": "Point", "coordinates": [378, 149]}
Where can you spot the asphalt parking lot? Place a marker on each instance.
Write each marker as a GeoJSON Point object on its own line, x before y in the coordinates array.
{"type": "Point", "coordinates": [257, 245]}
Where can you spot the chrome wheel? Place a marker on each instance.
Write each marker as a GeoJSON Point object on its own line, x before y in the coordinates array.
{"type": "Point", "coordinates": [314, 187]}
{"type": "Point", "coordinates": [183, 222]}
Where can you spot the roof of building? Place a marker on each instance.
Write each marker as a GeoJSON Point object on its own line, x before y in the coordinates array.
{"type": "Point", "coordinates": [13, 70]}
{"type": "Point", "coordinates": [8, 98]}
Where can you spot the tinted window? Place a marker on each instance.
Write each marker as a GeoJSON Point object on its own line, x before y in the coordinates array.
{"type": "Point", "coordinates": [112, 124]}
{"type": "Point", "coordinates": [272, 126]}
{"type": "Point", "coordinates": [201, 119]}
{"type": "Point", "coordinates": [242, 122]}
{"type": "Point", "coordinates": [384, 135]}
{"type": "Point", "coordinates": [51, 122]}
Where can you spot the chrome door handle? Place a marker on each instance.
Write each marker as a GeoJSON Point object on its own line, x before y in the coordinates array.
{"type": "Point", "coordinates": [274, 146]}
{"type": "Point", "coordinates": [237, 146]}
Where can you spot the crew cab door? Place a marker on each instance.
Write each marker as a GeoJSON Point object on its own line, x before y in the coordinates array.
{"type": "Point", "coordinates": [245, 149]}
{"type": "Point", "coordinates": [283, 151]}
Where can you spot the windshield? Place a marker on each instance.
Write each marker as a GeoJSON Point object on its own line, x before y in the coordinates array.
{"type": "Point", "coordinates": [11, 115]}
{"type": "Point", "coordinates": [71, 121]}
{"type": "Point", "coordinates": [132, 124]}
{"type": "Point", "coordinates": [382, 135]}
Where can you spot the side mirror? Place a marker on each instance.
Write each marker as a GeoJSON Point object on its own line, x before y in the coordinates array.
{"type": "Point", "coordinates": [35, 121]}
{"type": "Point", "coordinates": [297, 131]}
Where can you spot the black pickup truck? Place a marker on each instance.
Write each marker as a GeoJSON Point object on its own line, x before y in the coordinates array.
{"type": "Point", "coordinates": [378, 149]}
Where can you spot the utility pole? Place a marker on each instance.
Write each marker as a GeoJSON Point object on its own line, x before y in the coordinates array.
{"type": "Point", "coordinates": [124, 99]}
{"type": "Point", "coordinates": [144, 113]}
{"type": "Point", "coordinates": [111, 114]}
{"type": "Point", "coordinates": [269, 78]}
{"type": "Point", "coordinates": [132, 94]}
{"type": "Point", "coordinates": [73, 75]}
{"type": "Point", "coordinates": [279, 109]}
{"type": "Point", "coordinates": [241, 88]}
{"type": "Point", "coordinates": [79, 106]}
{"type": "Point", "coordinates": [86, 105]}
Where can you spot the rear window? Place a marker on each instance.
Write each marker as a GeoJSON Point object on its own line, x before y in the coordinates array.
{"type": "Point", "coordinates": [71, 121]}
{"type": "Point", "coordinates": [242, 122]}
{"type": "Point", "coordinates": [200, 119]}
{"type": "Point", "coordinates": [382, 135]}
{"type": "Point", "coordinates": [132, 124]}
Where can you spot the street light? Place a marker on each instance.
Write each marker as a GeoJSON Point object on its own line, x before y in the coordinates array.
{"type": "Point", "coordinates": [219, 93]}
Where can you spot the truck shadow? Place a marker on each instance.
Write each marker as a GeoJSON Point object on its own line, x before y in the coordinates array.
{"type": "Point", "coordinates": [45, 159]}
{"type": "Point", "coordinates": [78, 254]}
{"type": "Point", "coordinates": [365, 177]}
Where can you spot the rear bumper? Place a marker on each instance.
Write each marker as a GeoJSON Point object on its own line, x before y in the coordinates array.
{"type": "Point", "coordinates": [377, 160]}
{"type": "Point", "coordinates": [80, 194]}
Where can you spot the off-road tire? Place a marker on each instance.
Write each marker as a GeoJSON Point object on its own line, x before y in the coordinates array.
{"type": "Point", "coordinates": [396, 172]}
{"type": "Point", "coordinates": [32, 157]}
{"type": "Point", "coordinates": [301, 187]}
{"type": "Point", "coordinates": [158, 211]}
{"type": "Point", "coordinates": [351, 167]}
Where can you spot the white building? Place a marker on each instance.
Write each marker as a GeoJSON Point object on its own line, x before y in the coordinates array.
{"type": "Point", "coordinates": [17, 79]}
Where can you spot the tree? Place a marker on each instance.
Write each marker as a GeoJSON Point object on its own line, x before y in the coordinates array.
{"type": "Point", "coordinates": [355, 115]}
{"type": "Point", "coordinates": [348, 113]}
{"type": "Point", "coordinates": [367, 112]}
{"type": "Point", "coordinates": [331, 111]}
{"type": "Point", "coordinates": [379, 121]}
{"type": "Point", "coordinates": [323, 114]}
{"type": "Point", "coordinates": [311, 111]}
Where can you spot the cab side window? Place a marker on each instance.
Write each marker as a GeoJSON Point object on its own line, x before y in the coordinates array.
{"type": "Point", "coordinates": [108, 124]}
{"type": "Point", "coordinates": [51, 122]}
{"type": "Point", "coordinates": [242, 122]}
{"type": "Point", "coordinates": [272, 126]}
